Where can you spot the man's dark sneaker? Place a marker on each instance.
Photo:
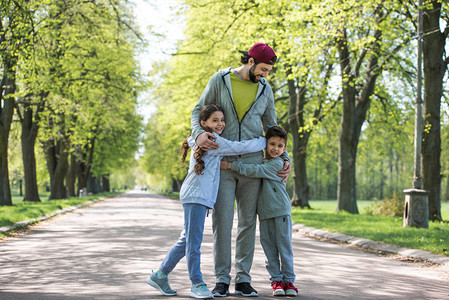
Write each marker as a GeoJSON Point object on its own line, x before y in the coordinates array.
{"type": "Point", "coordinates": [221, 289]}
{"type": "Point", "coordinates": [245, 289]}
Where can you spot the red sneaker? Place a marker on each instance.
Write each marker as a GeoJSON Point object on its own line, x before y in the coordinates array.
{"type": "Point", "coordinates": [290, 289]}
{"type": "Point", "coordinates": [278, 288]}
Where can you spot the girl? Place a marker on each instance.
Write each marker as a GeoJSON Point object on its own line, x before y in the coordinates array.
{"type": "Point", "coordinates": [198, 195]}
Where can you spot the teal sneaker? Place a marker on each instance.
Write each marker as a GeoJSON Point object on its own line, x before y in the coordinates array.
{"type": "Point", "coordinates": [200, 291]}
{"type": "Point", "coordinates": [161, 284]}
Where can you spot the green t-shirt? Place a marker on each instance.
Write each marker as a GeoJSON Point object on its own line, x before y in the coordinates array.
{"type": "Point", "coordinates": [244, 93]}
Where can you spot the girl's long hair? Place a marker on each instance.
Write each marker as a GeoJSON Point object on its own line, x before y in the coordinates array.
{"type": "Point", "coordinates": [205, 112]}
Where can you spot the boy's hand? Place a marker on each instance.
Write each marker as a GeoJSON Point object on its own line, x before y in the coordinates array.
{"type": "Point", "coordinates": [225, 165]}
{"type": "Point", "coordinates": [286, 171]}
{"type": "Point", "coordinates": [205, 143]}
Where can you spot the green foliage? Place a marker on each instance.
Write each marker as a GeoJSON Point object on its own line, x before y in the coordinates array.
{"type": "Point", "coordinates": [93, 98]}
{"type": "Point", "coordinates": [322, 162]}
{"type": "Point", "coordinates": [81, 79]}
{"type": "Point", "coordinates": [390, 207]}
{"type": "Point", "coordinates": [385, 152]}
{"type": "Point", "coordinates": [15, 154]}
{"type": "Point", "coordinates": [288, 27]}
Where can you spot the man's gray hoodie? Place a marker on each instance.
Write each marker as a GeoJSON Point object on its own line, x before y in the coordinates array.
{"type": "Point", "coordinates": [219, 91]}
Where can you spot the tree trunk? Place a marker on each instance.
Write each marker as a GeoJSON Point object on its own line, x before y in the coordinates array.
{"type": "Point", "coordinates": [82, 175]}
{"type": "Point", "coordinates": [300, 139]}
{"type": "Point", "coordinates": [57, 165]}
{"type": "Point", "coordinates": [347, 150]}
{"type": "Point", "coordinates": [106, 187]}
{"type": "Point", "coordinates": [332, 186]}
{"type": "Point", "coordinates": [7, 89]}
{"type": "Point", "coordinates": [28, 138]}
{"type": "Point", "coordinates": [355, 106]}
{"type": "Point", "coordinates": [93, 184]}
{"type": "Point", "coordinates": [175, 185]}
{"type": "Point", "coordinates": [446, 197]}
{"type": "Point", "coordinates": [85, 164]}
{"type": "Point", "coordinates": [20, 187]}
{"type": "Point", "coordinates": [301, 188]}
{"type": "Point", "coordinates": [5, 189]}
{"type": "Point", "coordinates": [382, 181]}
{"type": "Point", "coordinates": [434, 70]}
{"type": "Point", "coordinates": [71, 176]}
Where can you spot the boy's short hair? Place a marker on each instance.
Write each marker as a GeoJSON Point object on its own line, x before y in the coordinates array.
{"type": "Point", "coordinates": [277, 132]}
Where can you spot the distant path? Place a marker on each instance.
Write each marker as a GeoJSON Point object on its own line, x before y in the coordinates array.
{"type": "Point", "coordinates": [107, 250]}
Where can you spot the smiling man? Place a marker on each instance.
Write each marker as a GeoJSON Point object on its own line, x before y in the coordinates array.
{"type": "Point", "coordinates": [248, 103]}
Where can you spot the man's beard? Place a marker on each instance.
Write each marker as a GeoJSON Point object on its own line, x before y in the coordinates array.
{"type": "Point", "coordinates": [252, 75]}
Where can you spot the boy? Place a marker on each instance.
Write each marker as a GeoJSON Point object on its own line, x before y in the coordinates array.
{"type": "Point", "coordinates": [274, 210]}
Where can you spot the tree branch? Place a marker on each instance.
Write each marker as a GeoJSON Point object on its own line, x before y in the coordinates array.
{"type": "Point", "coordinates": [281, 98]}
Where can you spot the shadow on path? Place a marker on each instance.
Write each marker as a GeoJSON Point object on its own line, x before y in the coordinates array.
{"type": "Point", "coordinates": [106, 251]}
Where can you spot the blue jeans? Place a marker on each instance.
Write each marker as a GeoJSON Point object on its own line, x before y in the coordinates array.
{"type": "Point", "coordinates": [189, 243]}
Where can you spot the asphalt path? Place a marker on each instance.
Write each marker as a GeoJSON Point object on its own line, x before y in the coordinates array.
{"type": "Point", "coordinates": [107, 250]}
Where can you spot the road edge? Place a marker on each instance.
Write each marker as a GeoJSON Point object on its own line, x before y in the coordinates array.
{"type": "Point", "coordinates": [378, 247]}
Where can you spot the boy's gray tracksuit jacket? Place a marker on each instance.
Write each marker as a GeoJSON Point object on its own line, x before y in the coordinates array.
{"type": "Point", "coordinates": [273, 198]}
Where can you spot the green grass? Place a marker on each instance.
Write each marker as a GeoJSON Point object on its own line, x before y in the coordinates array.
{"type": "Point", "coordinates": [174, 195]}
{"type": "Point", "coordinates": [22, 211]}
{"type": "Point", "coordinates": [377, 228]}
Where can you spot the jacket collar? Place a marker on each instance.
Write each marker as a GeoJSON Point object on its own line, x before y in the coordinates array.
{"type": "Point", "coordinates": [226, 75]}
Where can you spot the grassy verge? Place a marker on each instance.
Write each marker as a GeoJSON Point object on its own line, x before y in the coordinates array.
{"type": "Point", "coordinates": [377, 228]}
{"type": "Point", "coordinates": [22, 211]}
{"type": "Point", "coordinates": [173, 195]}
{"type": "Point", "coordinates": [389, 230]}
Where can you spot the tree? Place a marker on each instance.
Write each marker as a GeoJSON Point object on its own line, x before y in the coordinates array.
{"type": "Point", "coordinates": [435, 66]}
{"type": "Point", "coordinates": [29, 120]}
{"type": "Point", "coordinates": [15, 32]}
{"type": "Point", "coordinates": [364, 50]}
{"type": "Point", "coordinates": [384, 165]}
{"type": "Point", "coordinates": [301, 131]}
{"type": "Point", "coordinates": [365, 37]}
{"type": "Point", "coordinates": [96, 80]}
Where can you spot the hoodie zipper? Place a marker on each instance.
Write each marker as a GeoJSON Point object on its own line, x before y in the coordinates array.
{"type": "Point", "coordinates": [233, 106]}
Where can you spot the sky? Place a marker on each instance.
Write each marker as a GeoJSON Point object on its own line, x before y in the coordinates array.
{"type": "Point", "coordinates": [156, 16]}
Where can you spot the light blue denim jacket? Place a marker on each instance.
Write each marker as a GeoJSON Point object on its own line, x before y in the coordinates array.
{"type": "Point", "coordinates": [202, 189]}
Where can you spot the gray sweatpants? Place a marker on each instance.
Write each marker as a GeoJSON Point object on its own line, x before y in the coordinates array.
{"type": "Point", "coordinates": [276, 240]}
{"type": "Point", "coordinates": [244, 191]}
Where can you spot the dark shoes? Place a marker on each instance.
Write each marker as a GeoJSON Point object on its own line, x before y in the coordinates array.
{"type": "Point", "coordinates": [221, 289]}
{"type": "Point", "coordinates": [245, 289]}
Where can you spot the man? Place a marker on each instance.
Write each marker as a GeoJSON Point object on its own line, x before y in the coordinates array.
{"type": "Point", "coordinates": [248, 102]}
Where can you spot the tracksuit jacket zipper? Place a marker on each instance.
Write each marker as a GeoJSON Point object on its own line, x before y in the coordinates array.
{"type": "Point", "coordinates": [233, 106]}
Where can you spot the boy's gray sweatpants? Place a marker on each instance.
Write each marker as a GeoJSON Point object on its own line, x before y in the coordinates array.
{"type": "Point", "coordinates": [245, 191]}
{"type": "Point", "coordinates": [276, 241]}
